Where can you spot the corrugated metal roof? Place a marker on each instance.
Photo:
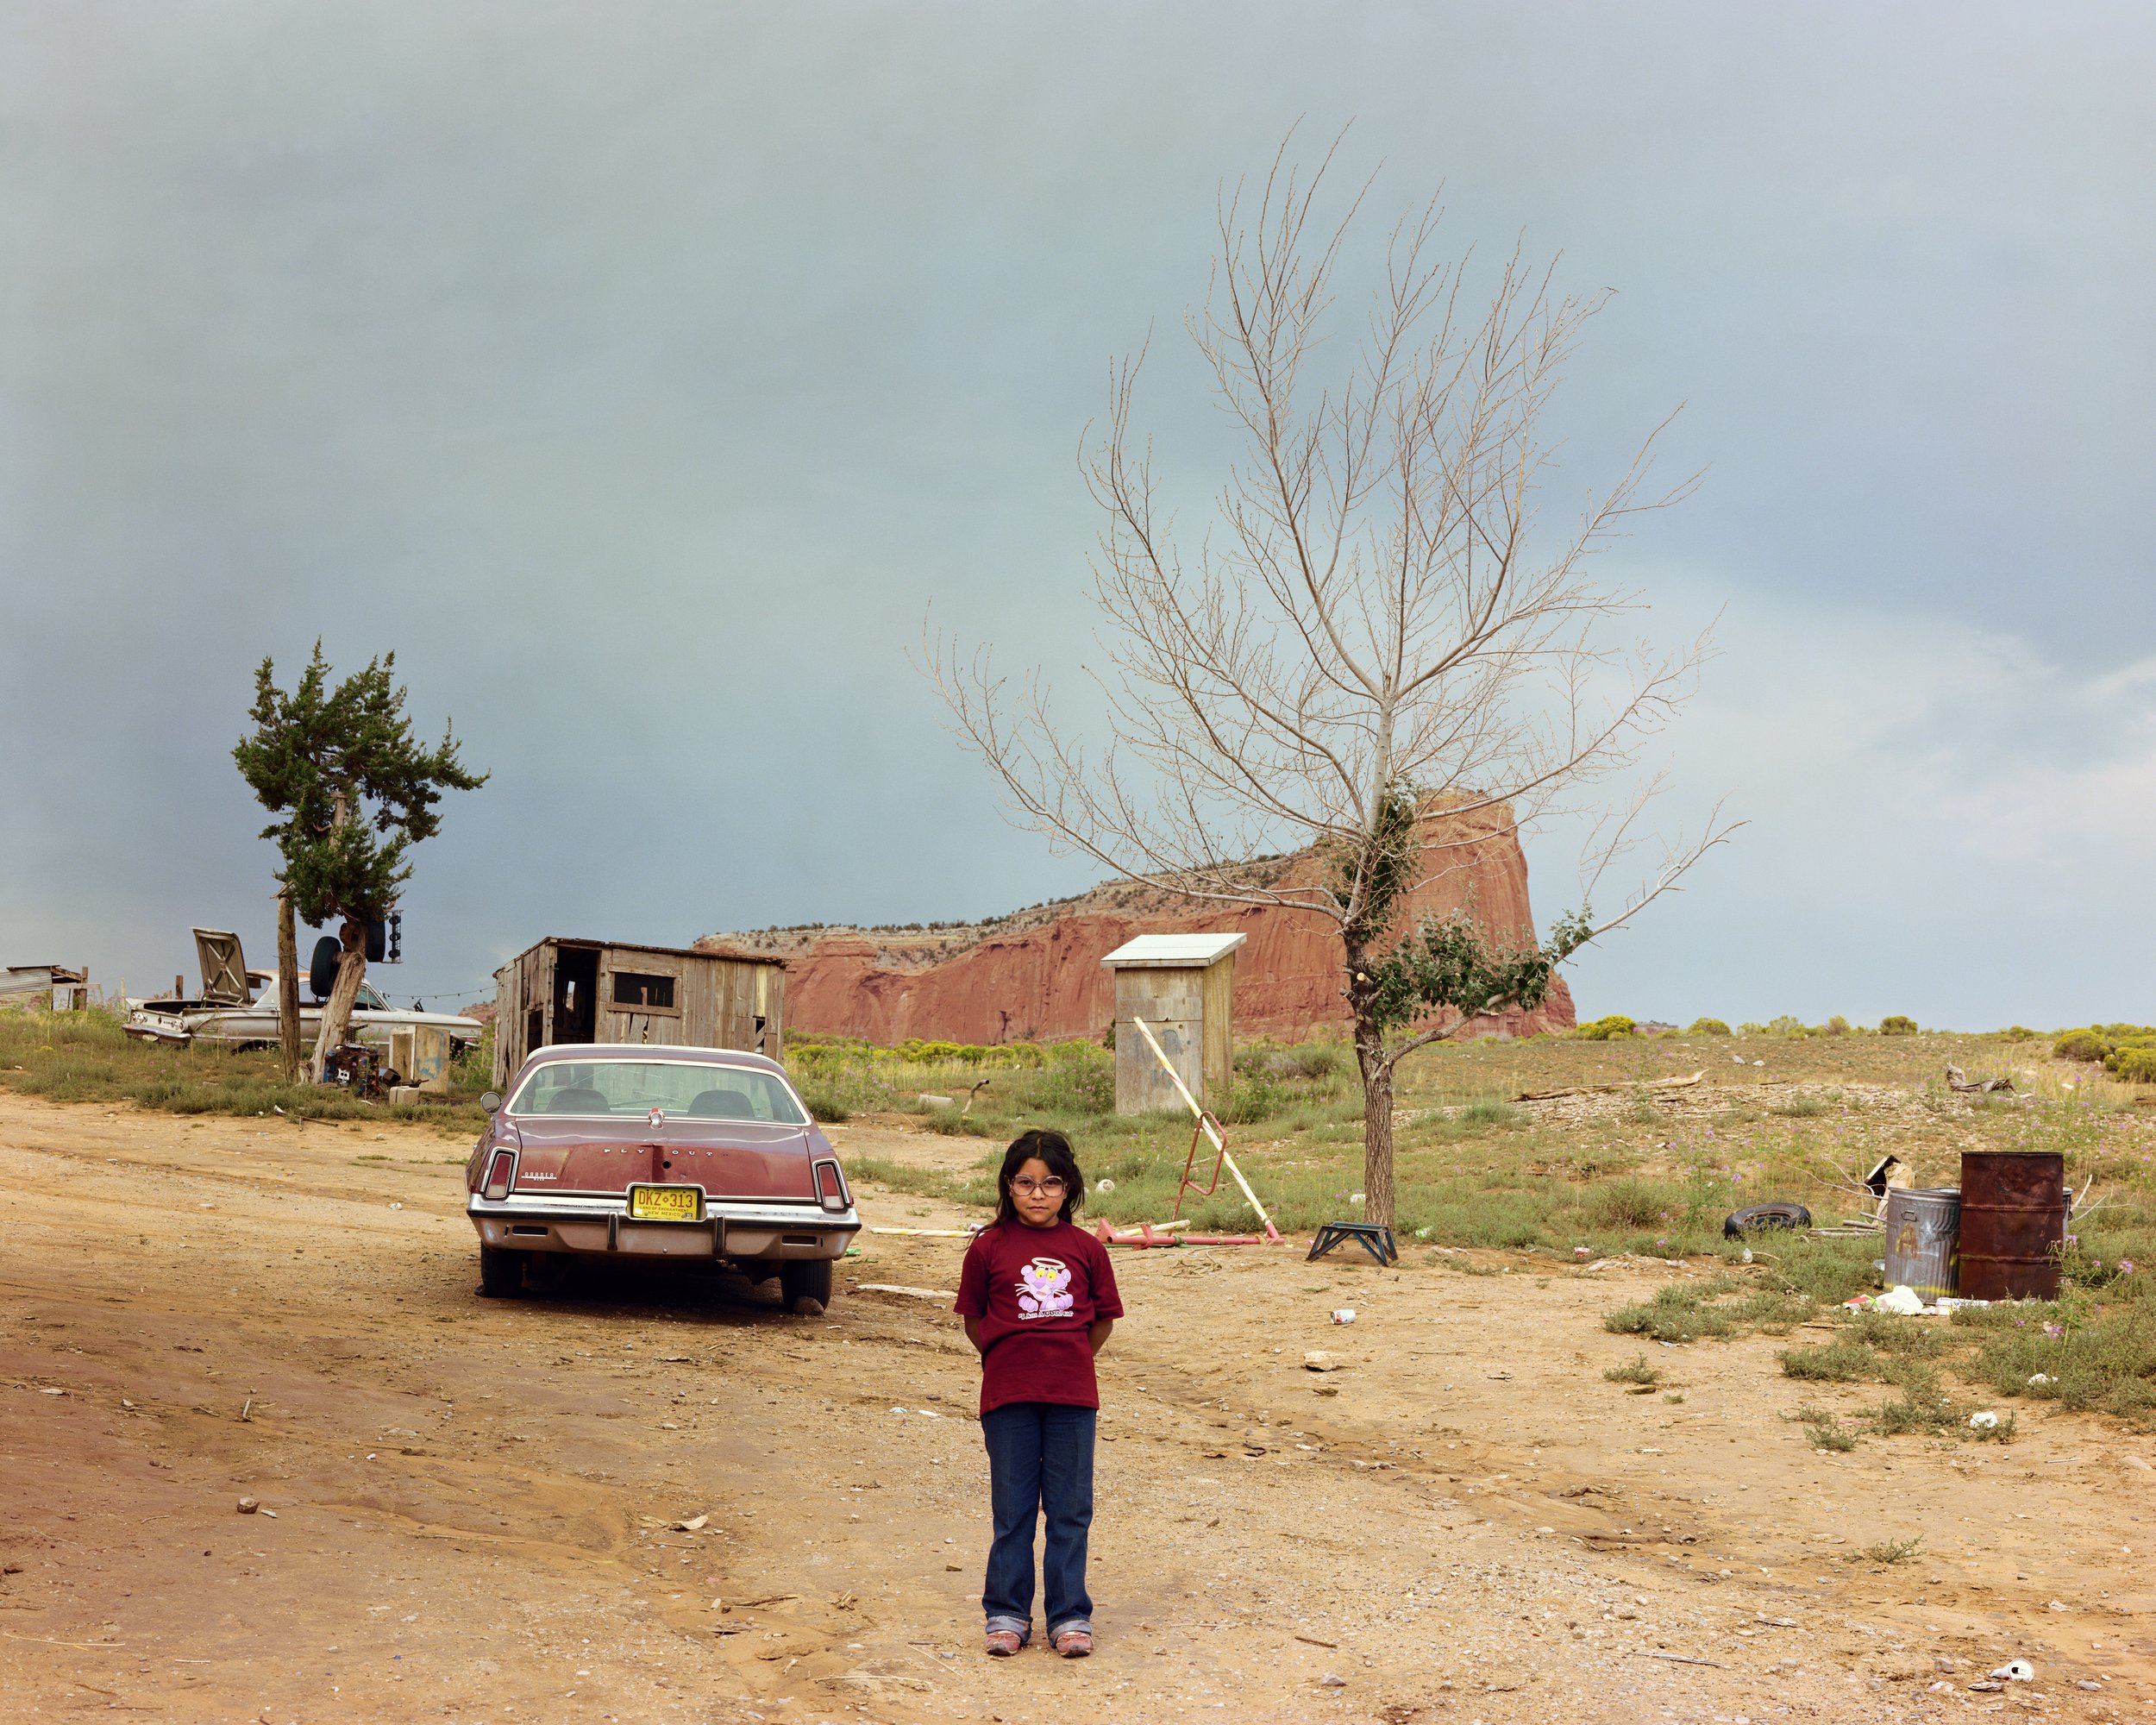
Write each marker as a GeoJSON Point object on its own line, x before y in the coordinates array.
{"type": "Point", "coordinates": [1153, 950]}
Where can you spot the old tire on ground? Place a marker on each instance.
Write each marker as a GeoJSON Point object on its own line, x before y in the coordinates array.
{"type": "Point", "coordinates": [805, 1285]}
{"type": "Point", "coordinates": [1755, 1216]}
{"type": "Point", "coordinates": [501, 1272]}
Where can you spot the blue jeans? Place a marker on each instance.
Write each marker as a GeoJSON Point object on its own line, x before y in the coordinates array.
{"type": "Point", "coordinates": [1040, 1461]}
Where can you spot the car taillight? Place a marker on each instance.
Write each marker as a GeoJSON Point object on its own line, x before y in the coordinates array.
{"type": "Point", "coordinates": [830, 1187]}
{"type": "Point", "coordinates": [500, 1173]}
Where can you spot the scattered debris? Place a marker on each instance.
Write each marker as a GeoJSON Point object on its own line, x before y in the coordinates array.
{"type": "Point", "coordinates": [1985, 1421]}
{"type": "Point", "coordinates": [249, 1506]}
{"type": "Point", "coordinates": [2017, 1671]}
{"type": "Point", "coordinates": [1332, 1680]}
{"type": "Point", "coordinates": [910, 1293]}
{"type": "Point", "coordinates": [1317, 1360]}
{"type": "Point", "coordinates": [1343, 1316]}
{"type": "Point", "coordinates": [1607, 1089]}
{"type": "Point", "coordinates": [932, 1233]}
{"type": "Point", "coordinates": [694, 1524]}
{"type": "Point", "coordinates": [1677, 1658]}
{"type": "Point", "coordinates": [1901, 1300]}
{"type": "Point", "coordinates": [1315, 1642]}
{"type": "Point", "coordinates": [1959, 1081]}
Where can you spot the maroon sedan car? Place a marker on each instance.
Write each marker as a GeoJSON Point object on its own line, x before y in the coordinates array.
{"type": "Point", "coordinates": [680, 1153]}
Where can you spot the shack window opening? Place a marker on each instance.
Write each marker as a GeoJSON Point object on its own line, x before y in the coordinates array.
{"type": "Point", "coordinates": [635, 990]}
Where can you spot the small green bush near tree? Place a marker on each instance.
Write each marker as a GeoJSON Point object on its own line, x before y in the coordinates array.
{"type": "Point", "coordinates": [1608, 1029]}
{"type": "Point", "coordinates": [1897, 1024]}
{"type": "Point", "coordinates": [1707, 1027]}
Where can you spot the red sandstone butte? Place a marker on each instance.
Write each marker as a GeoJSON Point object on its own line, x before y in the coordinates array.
{"type": "Point", "coordinates": [1037, 976]}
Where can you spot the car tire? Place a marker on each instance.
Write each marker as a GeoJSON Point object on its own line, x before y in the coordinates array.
{"type": "Point", "coordinates": [805, 1285]}
{"type": "Point", "coordinates": [1754, 1217]}
{"type": "Point", "coordinates": [501, 1272]}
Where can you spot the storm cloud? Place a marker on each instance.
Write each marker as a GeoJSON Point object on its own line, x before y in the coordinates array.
{"type": "Point", "coordinates": [641, 373]}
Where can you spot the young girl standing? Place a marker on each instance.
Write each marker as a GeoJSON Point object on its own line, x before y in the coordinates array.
{"type": "Point", "coordinates": [1038, 1297]}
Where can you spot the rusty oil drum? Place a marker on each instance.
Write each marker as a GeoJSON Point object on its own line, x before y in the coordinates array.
{"type": "Point", "coordinates": [2013, 1223]}
{"type": "Point", "coordinates": [1921, 1227]}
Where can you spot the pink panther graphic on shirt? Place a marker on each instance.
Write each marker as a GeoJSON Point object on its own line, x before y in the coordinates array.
{"type": "Point", "coordinates": [1044, 1289]}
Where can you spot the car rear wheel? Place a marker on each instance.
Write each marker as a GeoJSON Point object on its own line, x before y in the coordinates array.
{"type": "Point", "coordinates": [806, 1284]}
{"type": "Point", "coordinates": [501, 1272]}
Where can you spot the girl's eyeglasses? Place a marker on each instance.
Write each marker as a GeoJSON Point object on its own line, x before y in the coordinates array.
{"type": "Point", "coordinates": [1049, 1187]}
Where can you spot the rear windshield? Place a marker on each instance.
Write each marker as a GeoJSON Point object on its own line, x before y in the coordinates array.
{"type": "Point", "coordinates": [636, 1087]}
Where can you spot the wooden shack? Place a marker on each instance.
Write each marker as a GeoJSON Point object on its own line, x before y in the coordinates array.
{"type": "Point", "coordinates": [1183, 987]}
{"type": "Point", "coordinates": [573, 991]}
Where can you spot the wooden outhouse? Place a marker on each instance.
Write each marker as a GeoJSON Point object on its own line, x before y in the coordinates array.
{"type": "Point", "coordinates": [571, 991]}
{"type": "Point", "coordinates": [1183, 987]}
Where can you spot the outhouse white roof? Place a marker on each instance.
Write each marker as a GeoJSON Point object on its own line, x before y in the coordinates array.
{"type": "Point", "coordinates": [1157, 952]}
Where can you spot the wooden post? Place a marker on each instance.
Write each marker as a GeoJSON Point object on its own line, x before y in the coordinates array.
{"type": "Point", "coordinates": [287, 988]}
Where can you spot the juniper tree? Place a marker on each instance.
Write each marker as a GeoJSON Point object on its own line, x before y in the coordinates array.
{"type": "Point", "coordinates": [353, 791]}
{"type": "Point", "coordinates": [1377, 627]}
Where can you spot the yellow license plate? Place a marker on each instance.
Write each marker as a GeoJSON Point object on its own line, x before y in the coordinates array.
{"type": "Point", "coordinates": [665, 1204]}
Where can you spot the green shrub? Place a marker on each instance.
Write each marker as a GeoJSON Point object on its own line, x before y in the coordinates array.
{"type": "Point", "coordinates": [2020, 1034]}
{"type": "Point", "coordinates": [1078, 1079]}
{"type": "Point", "coordinates": [1303, 1063]}
{"type": "Point", "coordinates": [1623, 1204]}
{"type": "Point", "coordinates": [1707, 1027]}
{"type": "Point", "coordinates": [1836, 1363]}
{"type": "Point", "coordinates": [1836, 1026]}
{"type": "Point", "coordinates": [2134, 1065]}
{"type": "Point", "coordinates": [1824, 1430]}
{"type": "Point", "coordinates": [2080, 1045]}
{"type": "Point", "coordinates": [1608, 1028]}
{"type": "Point", "coordinates": [1897, 1024]}
{"type": "Point", "coordinates": [1635, 1370]}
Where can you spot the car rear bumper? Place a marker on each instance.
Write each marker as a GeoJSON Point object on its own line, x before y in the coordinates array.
{"type": "Point", "coordinates": [601, 1226]}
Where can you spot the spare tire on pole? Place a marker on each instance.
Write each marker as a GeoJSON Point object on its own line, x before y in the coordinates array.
{"type": "Point", "coordinates": [322, 969]}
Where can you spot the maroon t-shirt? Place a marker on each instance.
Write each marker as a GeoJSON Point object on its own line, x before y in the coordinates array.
{"type": "Point", "coordinates": [1037, 1292]}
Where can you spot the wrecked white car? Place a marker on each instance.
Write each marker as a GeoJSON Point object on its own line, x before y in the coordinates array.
{"type": "Point", "coordinates": [229, 1012]}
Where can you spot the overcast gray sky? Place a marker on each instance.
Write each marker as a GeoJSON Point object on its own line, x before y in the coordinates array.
{"type": "Point", "coordinates": [639, 372]}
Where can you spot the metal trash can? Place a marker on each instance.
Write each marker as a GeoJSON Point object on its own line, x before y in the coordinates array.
{"type": "Point", "coordinates": [1923, 1231]}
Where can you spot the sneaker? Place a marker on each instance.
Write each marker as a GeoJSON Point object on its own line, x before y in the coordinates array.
{"type": "Point", "coordinates": [1002, 1643]}
{"type": "Point", "coordinates": [1075, 1644]}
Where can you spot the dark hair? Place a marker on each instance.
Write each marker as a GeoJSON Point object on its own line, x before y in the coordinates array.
{"type": "Point", "coordinates": [1052, 1148]}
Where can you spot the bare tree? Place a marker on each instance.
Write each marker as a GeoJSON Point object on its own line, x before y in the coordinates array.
{"type": "Point", "coordinates": [1378, 650]}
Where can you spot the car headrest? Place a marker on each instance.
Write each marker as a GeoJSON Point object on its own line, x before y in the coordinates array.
{"type": "Point", "coordinates": [722, 1104]}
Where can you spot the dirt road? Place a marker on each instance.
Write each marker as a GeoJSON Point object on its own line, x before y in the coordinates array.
{"type": "Point", "coordinates": [468, 1506]}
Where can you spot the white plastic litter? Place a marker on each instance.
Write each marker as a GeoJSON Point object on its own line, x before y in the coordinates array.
{"type": "Point", "coordinates": [1104, 1186]}
{"type": "Point", "coordinates": [1903, 1301]}
{"type": "Point", "coordinates": [1343, 1316]}
{"type": "Point", "coordinates": [1984, 1421]}
{"type": "Point", "coordinates": [2017, 1671]}
{"type": "Point", "coordinates": [2038, 1379]}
